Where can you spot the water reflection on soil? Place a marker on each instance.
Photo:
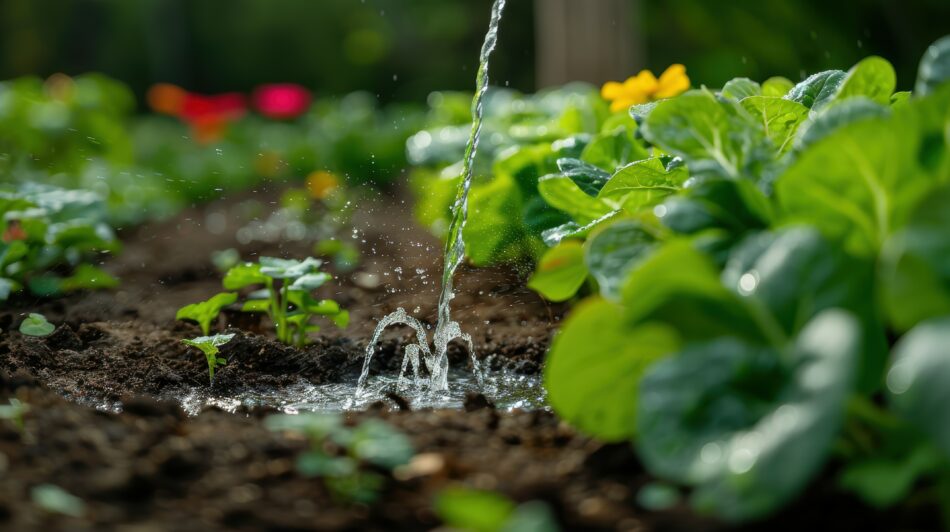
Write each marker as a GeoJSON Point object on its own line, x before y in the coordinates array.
{"type": "Point", "coordinates": [507, 390]}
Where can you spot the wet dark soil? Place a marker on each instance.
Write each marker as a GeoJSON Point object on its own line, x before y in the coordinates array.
{"type": "Point", "coordinates": [148, 466]}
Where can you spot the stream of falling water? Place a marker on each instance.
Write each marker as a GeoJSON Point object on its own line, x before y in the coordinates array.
{"type": "Point", "coordinates": [446, 330]}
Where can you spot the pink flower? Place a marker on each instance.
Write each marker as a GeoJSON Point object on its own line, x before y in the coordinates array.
{"type": "Point", "coordinates": [281, 100]}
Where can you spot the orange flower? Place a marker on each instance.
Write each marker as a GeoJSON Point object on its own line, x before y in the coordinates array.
{"type": "Point", "coordinates": [166, 98]}
{"type": "Point", "coordinates": [645, 87]}
{"type": "Point", "coordinates": [321, 183]}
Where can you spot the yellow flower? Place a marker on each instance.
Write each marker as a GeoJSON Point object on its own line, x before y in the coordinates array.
{"type": "Point", "coordinates": [321, 183]}
{"type": "Point", "coordinates": [644, 87]}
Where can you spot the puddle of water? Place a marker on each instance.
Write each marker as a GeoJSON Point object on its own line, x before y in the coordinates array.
{"type": "Point", "coordinates": [509, 391]}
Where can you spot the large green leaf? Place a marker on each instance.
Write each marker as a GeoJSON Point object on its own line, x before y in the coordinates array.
{"type": "Point", "coordinates": [495, 231]}
{"type": "Point", "coordinates": [915, 264]}
{"type": "Point", "coordinates": [860, 183]}
{"type": "Point", "coordinates": [748, 427]}
{"type": "Point", "coordinates": [714, 137]}
{"type": "Point", "coordinates": [818, 89]}
{"type": "Point", "coordinates": [595, 365]}
{"type": "Point", "coordinates": [643, 184]}
{"type": "Point", "coordinates": [740, 88]}
{"type": "Point", "coordinates": [557, 234]}
{"type": "Point", "coordinates": [776, 86]}
{"type": "Point", "coordinates": [588, 177]}
{"type": "Point", "coordinates": [934, 67]}
{"type": "Point", "coordinates": [613, 251]}
{"type": "Point", "coordinates": [779, 117]}
{"type": "Point", "coordinates": [792, 275]}
{"type": "Point", "coordinates": [562, 193]}
{"type": "Point", "coordinates": [735, 206]}
{"type": "Point", "coordinates": [680, 286]}
{"type": "Point", "coordinates": [616, 145]}
{"type": "Point", "coordinates": [872, 78]}
{"type": "Point", "coordinates": [917, 380]}
{"type": "Point", "coordinates": [846, 112]}
{"type": "Point", "coordinates": [560, 272]}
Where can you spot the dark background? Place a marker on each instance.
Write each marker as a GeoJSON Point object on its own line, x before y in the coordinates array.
{"type": "Point", "coordinates": [403, 49]}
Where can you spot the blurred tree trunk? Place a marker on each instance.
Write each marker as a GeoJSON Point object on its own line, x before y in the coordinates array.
{"type": "Point", "coordinates": [586, 40]}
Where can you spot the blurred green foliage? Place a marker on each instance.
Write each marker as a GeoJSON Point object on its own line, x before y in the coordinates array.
{"type": "Point", "coordinates": [403, 50]}
{"type": "Point", "coordinates": [721, 40]}
{"type": "Point", "coordinates": [396, 49]}
{"type": "Point", "coordinates": [81, 133]}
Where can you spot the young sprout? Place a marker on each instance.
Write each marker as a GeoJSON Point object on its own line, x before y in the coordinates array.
{"type": "Point", "coordinates": [372, 442]}
{"type": "Point", "coordinates": [345, 255]}
{"type": "Point", "coordinates": [286, 295]}
{"type": "Point", "coordinates": [205, 312]}
{"type": "Point", "coordinates": [13, 412]}
{"type": "Point", "coordinates": [209, 346]}
{"type": "Point", "coordinates": [56, 500]}
{"type": "Point", "coordinates": [36, 325]}
{"type": "Point", "coordinates": [225, 259]}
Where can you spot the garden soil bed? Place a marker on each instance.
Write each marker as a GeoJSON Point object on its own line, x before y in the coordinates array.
{"type": "Point", "coordinates": [140, 463]}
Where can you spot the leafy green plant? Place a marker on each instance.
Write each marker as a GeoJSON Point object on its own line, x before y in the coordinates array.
{"type": "Point", "coordinates": [486, 511]}
{"type": "Point", "coordinates": [209, 346]}
{"type": "Point", "coordinates": [339, 454]}
{"type": "Point", "coordinates": [82, 133]}
{"type": "Point", "coordinates": [205, 312]}
{"type": "Point", "coordinates": [749, 267]}
{"type": "Point", "coordinates": [46, 231]}
{"type": "Point", "coordinates": [286, 295]}
{"type": "Point", "coordinates": [36, 325]}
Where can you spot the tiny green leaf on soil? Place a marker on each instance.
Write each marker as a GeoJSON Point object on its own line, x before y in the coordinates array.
{"type": "Point", "coordinates": [36, 325]}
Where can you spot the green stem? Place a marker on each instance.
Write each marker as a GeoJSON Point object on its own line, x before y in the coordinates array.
{"type": "Point", "coordinates": [285, 334]}
{"type": "Point", "coordinates": [302, 331]}
{"type": "Point", "coordinates": [276, 315]}
{"type": "Point", "coordinates": [862, 408]}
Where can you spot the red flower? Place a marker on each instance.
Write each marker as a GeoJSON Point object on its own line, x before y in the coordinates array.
{"type": "Point", "coordinates": [209, 115]}
{"type": "Point", "coordinates": [197, 107]}
{"type": "Point", "coordinates": [281, 100]}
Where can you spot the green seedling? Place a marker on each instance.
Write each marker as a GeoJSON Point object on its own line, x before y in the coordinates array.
{"type": "Point", "coordinates": [55, 499]}
{"type": "Point", "coordinates": [205, 312]}
{"type": "Point", "coordinates": [337, 452]}
{"type": "Point", "coordinates": [488, 511]}
{"type": "Point", "coordinates": [13, 412]}
{"type": "Point", "coordinates": [225, 259]}
{"type": "Point", "coordinates": [209, 346]}
{"type": "Point", "coordinates": [286, 295]}
{"type": "Point", "coordinates": [36, 325]}
{"type": "Point", "coordinates": [345, 255]}
{"type": "Point", "coordinates": [46, 232]}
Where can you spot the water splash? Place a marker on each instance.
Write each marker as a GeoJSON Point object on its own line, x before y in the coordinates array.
{"type": "Point", "coordinates": [446, 330]}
